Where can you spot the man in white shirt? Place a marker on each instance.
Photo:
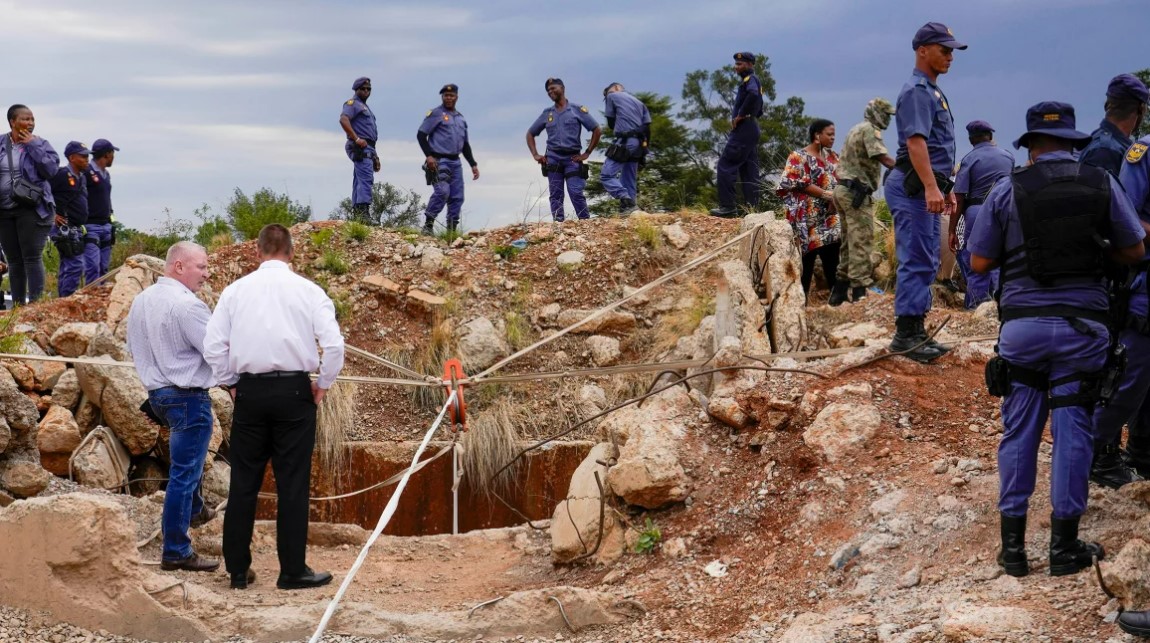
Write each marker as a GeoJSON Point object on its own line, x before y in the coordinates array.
{"type": "Point", "coordinates": [261, 344]}
{"type": "Point", "coordinates": [166, 327]}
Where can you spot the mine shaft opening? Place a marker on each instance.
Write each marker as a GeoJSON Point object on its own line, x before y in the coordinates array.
{"type": "Point", "coordinates": [539, 483]}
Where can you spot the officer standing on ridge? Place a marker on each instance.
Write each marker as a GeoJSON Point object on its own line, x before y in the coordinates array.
{"type": "Point", "coordinates": [1126, 98]}
{"type": "Point", "coordinates": [443, 137]}
{"type": "Point", "coordinates": [71, 192]}
{"type": "Point", "coordinates": [1054, 344]}
{"type": "Point", "coordinates": [860, 165]}
{"type": "Point", "coordinates": [1110, 469]}
{"type": "Point", "coordinates": [563, 164]}
{"type": "Point", "coordinates": [101, 235]}
{"type": "Point", "coordinates": [358, 122]}
{"type": "Point", "coordinates": [919, 186]}
{"type": "Point", "coordinates": [630, 121]}
{"type": "Point", "coordinates": [740, 159]}
{"type": "Point", "coordinates": [977, 173]}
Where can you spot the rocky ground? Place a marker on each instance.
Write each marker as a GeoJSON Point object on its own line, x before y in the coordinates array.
{"type": "Point", "coordinates": [857, 504]}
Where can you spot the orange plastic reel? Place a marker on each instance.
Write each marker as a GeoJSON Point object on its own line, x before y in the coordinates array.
{"type": "Point", "coordinates": [457, 412]}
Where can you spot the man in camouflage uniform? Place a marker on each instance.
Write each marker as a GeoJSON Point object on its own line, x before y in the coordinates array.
{"type": "Point", "coordinates": [860, 166]}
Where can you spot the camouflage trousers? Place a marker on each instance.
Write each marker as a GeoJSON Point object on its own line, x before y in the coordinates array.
{"type": "Point", "coordinates": [858, 238]}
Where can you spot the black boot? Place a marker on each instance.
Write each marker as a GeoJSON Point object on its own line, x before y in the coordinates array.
{"type": "Point", "coordinates": [428, 228]}
{"type": "Point", "coordinates": [359, 212]}
{"type": "Point", "coordinates": [725, 212]}
{"type": "Point", "coordinates": [626, 206]}
{"type": "Point", "coordinates": [1068, 555]}
{"type": "Point", "coordinates": [1012, 556]}
{"type": "Point", "coordinates": [907, 336]}
{"type": "Point", "coordinates": [858, 292]}
{"type": "Point", "coordinates": [1108, 468]}
{"type": "Point", "coordinates": [838, 293]}
{"type": "Point", "coordinates": [452, 230]}
{"type": "Point", "coordinates": [1136, 623]}
{"type": "Point", "coordinates": [921, 330]}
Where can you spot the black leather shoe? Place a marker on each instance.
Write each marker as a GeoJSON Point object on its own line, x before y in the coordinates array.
{"type": "Point", "coordinates": [858, 293]}
{"type": "Point", "coordinates": [1136, 623]}
{"type": "Point", "coordinates": [241, 581]}
{"type": "Point", "coordinates": [193, 563]}
{"type": "Point", "coordinates": [1109, 469]}
{"type": "Point", "coordinates": [306, 580]}
{"type": "Point", "coordinates": [1068, 555]}
{"type": "Point", "coordinates": [838, 293]}
{"type": "Point", "coordinates": [725, 212]}
{"type": "Point", "coordinates": [205, 516]}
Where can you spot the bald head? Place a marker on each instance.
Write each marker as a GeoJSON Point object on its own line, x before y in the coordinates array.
{"type": "Point", "coordinates": [187, 263]}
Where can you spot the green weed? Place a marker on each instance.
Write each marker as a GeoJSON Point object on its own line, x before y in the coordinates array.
{"type": "Point", "coordinates": [356, 231]}
{"type": "Point", "coordinates": [649, 538]}
{"type": "Point", "coordinates": [333, 262]}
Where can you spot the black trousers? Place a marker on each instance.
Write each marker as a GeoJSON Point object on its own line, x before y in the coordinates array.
{"type": "Point", "coordinates": [22, 237]}
{"type": "Point", "coordinates": [829, 254]}
{"type": "Point", "coordinates": [274, 419]}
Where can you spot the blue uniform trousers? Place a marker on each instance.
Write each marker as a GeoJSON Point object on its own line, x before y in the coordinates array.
{"type": "Point", "coordinates": [562, 170]}
{"type": "Point", "coordinates": [1128, 404]}
{"type": "Point", "coordinates": [916, 245]}
{"type": "Point", "coordinates": [68, 278]}
{"type": "Point", "coordinates": [739, 163]}
{"type": "Point", "coordinates": [97, 250]}
{"type": "Point", "coordinates": [621, 179]}
{"type": "Point", "coordinates": [979, 288]}
{"type": "Point", "coordinates": [361, 178]}
{"type": "Point", "coordinates": [448, 190]}
{"type": "Point", "coordinates": [1050, 345]}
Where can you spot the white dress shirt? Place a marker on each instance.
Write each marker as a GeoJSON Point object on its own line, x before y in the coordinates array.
{"type": "Point", "coordinates": [271, 320]}
{"type": "Point", "coordinates": [166, 326]}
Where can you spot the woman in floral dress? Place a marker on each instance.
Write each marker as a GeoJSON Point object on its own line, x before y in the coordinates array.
{"type": "Point", "coordinates": [807, 184]}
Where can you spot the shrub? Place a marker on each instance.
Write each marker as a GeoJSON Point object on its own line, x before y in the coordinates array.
{"type": "Point", "coordinates": [356, 231]}
{"type": "Point", "coordinates": [648, 234]}
{"type": "Point", "coordinates": [507, 252]}
{"type": "Point", "coordinates": [333, 262]}
{"type": "Point", "coordinates": [248, 215]}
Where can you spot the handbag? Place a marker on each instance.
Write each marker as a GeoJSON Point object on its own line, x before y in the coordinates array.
{"type": "Point", "coordinates": [24, 192]}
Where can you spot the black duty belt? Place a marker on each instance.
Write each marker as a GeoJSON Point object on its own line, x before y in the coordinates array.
{"type": "Point", "coordinates": [450, 157]}
{"type": "Point", "coordinates": [272, 374]}
{"type": "Point", "coordinates": [562, 152]}
{"type": "Point", "coordinates": [973, 201]}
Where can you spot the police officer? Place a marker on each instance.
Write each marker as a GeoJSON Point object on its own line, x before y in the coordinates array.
{"type": "Point", "coordinates": [101, 231]}
{"type": "Point", "coordinates": [1110, 469]}
{"type": "Point", "coordinates": [443, 137]}
{"type": "Point", "coordinates": [630, 121]}
{"type": "Point", "coordinates": [919, 186]}
{"type": "Point", "coordinates": [1126, 98]}
{"type": "Point", "coordinates": [860, 163]}
{"type": "Point", "coordinates": [358, 122]}
{"type": "Point", "coordinates": [564, 122]}
{"type": "Point", "coordinates": [71, 192]}
{"type": "Point", "coordinates": [740, 159]}
{"type": "Point", "coordinates": [1054, 342]}
{"type": "Point", "coordinates": [977, 173]}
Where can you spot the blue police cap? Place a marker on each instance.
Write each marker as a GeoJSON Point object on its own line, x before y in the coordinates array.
{"type": "Point", "coordinates": [76, 147]}
{"type": "Point", "coordinates": [1128, 86]}
{"type": "Point", "coordinates": [1052, 119]}
{"type": "Point", "coordinates": [936, 33]}
{"type": "Point", "coordinates": [745, 56]}
{"type": "Point", "coordinates": [449, 88]}
{"type": "Point", "coordinates": [103, 145]}
{"type": "Point", "coordinates": [553, 81]}
{"type": "Point", "coordinates": [978, 127]}
{"type": "Point", "coordinates": [360, 82]}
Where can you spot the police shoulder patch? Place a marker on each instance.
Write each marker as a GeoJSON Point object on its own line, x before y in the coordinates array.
{"type": "Point", "coordinates": [1136, 152]}
{"type": "Point", "coordinates": [583, 109]}
{"type": "Point", "coordinates": [430, 111]}
{"type": "Point", "coordinates": [350, 102]}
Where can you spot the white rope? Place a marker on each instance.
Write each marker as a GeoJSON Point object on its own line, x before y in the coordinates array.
{"type": "Point", "coordinates": [384, 518]}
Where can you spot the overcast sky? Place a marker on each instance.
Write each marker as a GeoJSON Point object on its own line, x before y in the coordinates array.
{"type": "Point", "coordinates": [203, 97]}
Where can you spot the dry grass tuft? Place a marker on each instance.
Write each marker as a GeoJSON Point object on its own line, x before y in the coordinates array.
{"type": "Point", "coordinates": [493, 438]}
{"type": "Point", "coordinates": [683, 321]}
{"type": "Point", "coordinates": [335, 420]}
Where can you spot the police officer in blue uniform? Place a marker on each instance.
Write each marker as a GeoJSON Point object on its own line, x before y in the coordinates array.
{"type": "Point", "coordinates": [71, 192]}
{"type": "Point", "coordinates": [443, 137]}
{"type": "Point", "coordinates": [919, 187]}
{"type": "Point", "coordinates": [1110, 468]}
{"type": "Point", "coordinates": [630, 122]}
{"type": "Point", "coordinates": [1054, 342]}
{"type": "Point", "coordinates": [358, 123]}
{"type": "Point", "coordinates": [100, 233]}
{"type": "Point", "coordinates": [977, 173]}
{"type": "Point", "coordinates": [1126, 98]}
{"type": "Point", "coordinates": [564, 162]}
{"type": "Point", "coordinates": [739, 162]}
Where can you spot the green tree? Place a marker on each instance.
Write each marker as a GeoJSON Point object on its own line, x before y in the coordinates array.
{"type": "Point", "coordinates": [247, 215]}
{"type": "Point", "coordinates": [212, 228]}
{"type": "Point", "coordinates": [391, 207]}
{"type": "Point", "coordinates": [708, 97]}
{"type": "Point", "coordinates": [1144, 128]}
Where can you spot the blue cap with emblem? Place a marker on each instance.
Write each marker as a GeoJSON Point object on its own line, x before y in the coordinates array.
{"type": "Point", "coordinates": [553, 81]}
{"type": "Point", "coordinates": [360, 82]}
{"type": "Point", "coordinates": [1052, 119]}
{"type": "Point", "coordinates": [978, 127]}
{"type": "Point", "coordinates": [103, 145]}
{"type": "Point", "coordinates": [745, 57]}
{"type": "Point", "coordinates": [75, 147]}
{"type": "Point", "coordinates": [449, 89]}
{"type": "Point", "coordinates": [936, 33]}
{"type": "Point", "coordinates": [1128, 86]}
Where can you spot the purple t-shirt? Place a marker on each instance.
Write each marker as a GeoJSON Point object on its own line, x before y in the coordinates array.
{"type": "Point", "coordinates": [998, 229]}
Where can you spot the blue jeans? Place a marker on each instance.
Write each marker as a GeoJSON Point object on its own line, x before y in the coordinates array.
{"type": "Point", "coordinates": [188, 414]}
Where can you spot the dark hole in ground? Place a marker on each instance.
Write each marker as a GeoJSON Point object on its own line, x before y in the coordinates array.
{"type": "Point", "coordinates": [425, 507]}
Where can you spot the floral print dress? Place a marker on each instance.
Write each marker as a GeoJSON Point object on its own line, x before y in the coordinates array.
{"type": "Point", "coordinates": [814, 220]}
